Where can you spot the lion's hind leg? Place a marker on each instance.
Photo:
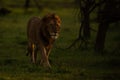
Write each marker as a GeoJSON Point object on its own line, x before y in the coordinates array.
{"type": "Point", "coordinates": [32, 52]}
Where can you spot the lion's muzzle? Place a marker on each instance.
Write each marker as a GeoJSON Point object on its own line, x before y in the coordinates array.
{"type": "Point", "coordinates": [54, 35]}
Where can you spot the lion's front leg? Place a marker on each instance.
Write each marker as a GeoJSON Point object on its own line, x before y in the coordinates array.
{"type": "Point", "coordinates": [48, 50]}
{"type": "Point", "coordinates": [44, 58]}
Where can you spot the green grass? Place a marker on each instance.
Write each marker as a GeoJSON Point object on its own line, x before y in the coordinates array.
{"type": "Point", "coordinates": [43, 3]}
{"type": "Point", "coordinates": [71, 64]}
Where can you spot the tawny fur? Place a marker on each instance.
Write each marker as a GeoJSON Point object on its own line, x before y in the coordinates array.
{"type": "Point", "coordinates": [41, 35]}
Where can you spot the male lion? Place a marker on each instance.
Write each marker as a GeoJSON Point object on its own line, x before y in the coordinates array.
{"type": "Point", "coordinates": [41, 35]}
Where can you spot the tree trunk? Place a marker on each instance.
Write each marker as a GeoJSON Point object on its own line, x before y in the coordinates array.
{"type": "Point", "coordinates": [27, 4]}
{"type": "Point", "coordinates": [86, 27]}
{"type": "Point", "coordinates": [37, 4]}
{"type": "Point", "coordinates": [100, 40]}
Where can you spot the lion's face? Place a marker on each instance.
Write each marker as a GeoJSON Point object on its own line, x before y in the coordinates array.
{"type": "Point", "coordinates": [53, 25]}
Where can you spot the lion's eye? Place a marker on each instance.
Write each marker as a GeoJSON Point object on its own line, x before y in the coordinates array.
{"type": "Point", "coordinates": [53, 27]}
{"type": "Point", "coordinates": [58, 24]}
{"type": "Point", "coordinates": [51, 24]}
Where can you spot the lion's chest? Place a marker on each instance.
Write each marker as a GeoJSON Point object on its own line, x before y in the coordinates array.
{"type": "Point", "coordinates": [46, 40]}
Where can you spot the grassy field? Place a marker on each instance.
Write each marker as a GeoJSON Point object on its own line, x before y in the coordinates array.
{"type": "Point", "coordinates": [70, 64]}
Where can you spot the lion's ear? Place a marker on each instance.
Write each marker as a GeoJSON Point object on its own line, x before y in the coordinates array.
{"type": "Point", "coordinates": [46, 17]}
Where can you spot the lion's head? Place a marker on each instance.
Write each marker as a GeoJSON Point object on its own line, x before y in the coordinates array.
{"type": "Point", "coordinates": [51, 24]}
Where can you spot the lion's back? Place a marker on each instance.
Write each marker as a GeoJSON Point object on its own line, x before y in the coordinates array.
{"type": "Point", "coordinates": [32, 27]}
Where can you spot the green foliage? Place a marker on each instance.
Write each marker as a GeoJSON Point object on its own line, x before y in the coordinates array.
{"type": "Point", "coordinates": [71, 64]}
